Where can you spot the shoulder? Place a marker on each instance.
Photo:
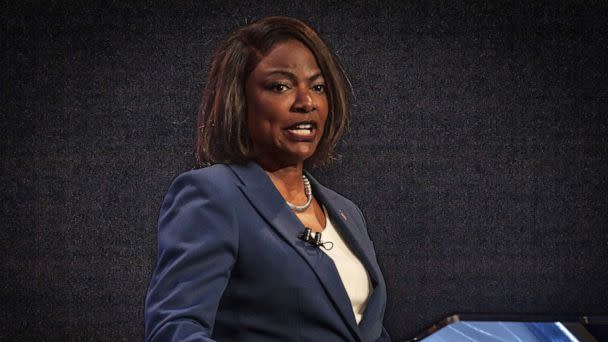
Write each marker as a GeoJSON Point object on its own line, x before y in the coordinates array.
{"type": "Point", "coordinates": [217, 176]}
{"type": "Point", "coordinates": [195, 197]}
{"type": "Point", "coordinates": [214, 173]}
{"type": "Point", "coordinates": [214, 181]}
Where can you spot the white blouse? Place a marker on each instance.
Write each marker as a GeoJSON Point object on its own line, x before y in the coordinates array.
{"type": "Point", "coordinates": [354, 276]}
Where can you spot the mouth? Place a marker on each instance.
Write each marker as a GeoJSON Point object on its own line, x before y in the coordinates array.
{"type": "Point", "coordinates": [302, 131]}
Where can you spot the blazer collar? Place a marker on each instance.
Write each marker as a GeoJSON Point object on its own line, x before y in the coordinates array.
{"type": "Point", "coordinates": [344, 217]}
{"type": "Point", "coordinates": [263, 195]}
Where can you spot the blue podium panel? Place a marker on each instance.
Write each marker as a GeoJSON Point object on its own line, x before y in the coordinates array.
{"type": "Point", "coordinates": [467, 331]}
{"type": "Point", "coordinates": [517, 328]}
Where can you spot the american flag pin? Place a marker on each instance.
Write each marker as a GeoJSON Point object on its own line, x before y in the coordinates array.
{"type": "Point", "coordinates": [343, 216]}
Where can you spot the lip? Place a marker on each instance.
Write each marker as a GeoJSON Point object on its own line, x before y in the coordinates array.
{"type": "Point", "coordinates": [292, 135]}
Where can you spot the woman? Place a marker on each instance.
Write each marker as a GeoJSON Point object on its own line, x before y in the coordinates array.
{"type": "Point", "coordinates": [235, 261]}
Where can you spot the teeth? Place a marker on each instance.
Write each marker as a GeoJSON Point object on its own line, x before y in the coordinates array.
{"type": "Point", "coordinates": [304, 126]}
{"type": "Point", "coordinates": [301, 131]}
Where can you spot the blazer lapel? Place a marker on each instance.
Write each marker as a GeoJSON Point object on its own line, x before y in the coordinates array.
{"type": "Point", "coordinates": [344, 218]}
{"type": "Point", "coordinates": [263, 195]}
{"type": "Point", "coordinates": [347, 225]}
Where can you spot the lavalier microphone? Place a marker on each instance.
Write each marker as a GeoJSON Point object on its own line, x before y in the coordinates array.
{"type": "Point", "coordinates": [315, 240]}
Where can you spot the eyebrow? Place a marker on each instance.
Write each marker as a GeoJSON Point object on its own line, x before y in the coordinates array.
{"type": "Point", "coordinates": [292, 76]}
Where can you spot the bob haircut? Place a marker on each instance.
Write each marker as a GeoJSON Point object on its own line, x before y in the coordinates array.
{"type": "Point", "coordinates": [223, 135]}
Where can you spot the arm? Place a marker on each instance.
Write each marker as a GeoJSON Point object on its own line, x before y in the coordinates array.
{"type": "Point", "coordinates": [197, 246]}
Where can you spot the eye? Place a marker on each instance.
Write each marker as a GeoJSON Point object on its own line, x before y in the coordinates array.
{"type": "Point", "coordinates": [278, 87]}
{"type": "Point", "coordinates": [319, 88]}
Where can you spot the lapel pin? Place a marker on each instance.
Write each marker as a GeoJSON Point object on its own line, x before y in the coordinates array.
{"type": "Point", "coordinates": [343, 216]}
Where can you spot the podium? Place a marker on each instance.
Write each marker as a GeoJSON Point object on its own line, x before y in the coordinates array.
{"type": "Point", "coordinates": [517, 328]}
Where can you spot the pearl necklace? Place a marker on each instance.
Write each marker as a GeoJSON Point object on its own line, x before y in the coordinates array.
{"type": "Point", "coordinates": [308, 192]}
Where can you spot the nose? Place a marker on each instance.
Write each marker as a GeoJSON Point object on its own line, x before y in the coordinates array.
{"type": "Point", "coordinates": [304, 103]}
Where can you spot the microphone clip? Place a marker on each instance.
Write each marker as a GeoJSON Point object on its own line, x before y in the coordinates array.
{"type": "Point", "coordinates": [315, 240]}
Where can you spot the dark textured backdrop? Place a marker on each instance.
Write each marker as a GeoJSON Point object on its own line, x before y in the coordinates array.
{"type": "Point", "coordinates": [478, 152]}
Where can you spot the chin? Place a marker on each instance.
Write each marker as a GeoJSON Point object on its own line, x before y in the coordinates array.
{"type": "Point", "coordinates": [294, 158]}
{"type": "Point", "coordinates": [303, 155]}
{"type": "Point", "coordinates": [300, 150]}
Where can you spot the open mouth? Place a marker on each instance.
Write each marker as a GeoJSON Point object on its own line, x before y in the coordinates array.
{"type": "Point", "coordinates": [302, 130]}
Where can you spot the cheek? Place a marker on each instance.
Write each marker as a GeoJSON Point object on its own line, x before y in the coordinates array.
{"type": "Point", "coordinates": [258, 126]}
{"type": "Point", "coordinates": [261, 123]}
{"type": "Point", "coordinates": [267, 108]}
{"type": "Point", "coordinates": [257, 113]}
{"type": "Point", "coordinates": [324, 109]}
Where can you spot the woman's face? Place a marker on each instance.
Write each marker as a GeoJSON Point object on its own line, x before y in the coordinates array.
{"type": "Point", "coordinates": [286, 105]}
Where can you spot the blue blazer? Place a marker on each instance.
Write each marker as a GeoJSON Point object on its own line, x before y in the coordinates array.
{"type": "Point", "coordinates": [231, 267]}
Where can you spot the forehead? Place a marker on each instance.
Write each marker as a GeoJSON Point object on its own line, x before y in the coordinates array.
{"type": "Point", "coordinates": [290, 55]}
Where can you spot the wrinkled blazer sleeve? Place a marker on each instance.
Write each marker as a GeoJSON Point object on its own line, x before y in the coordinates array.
{"type": "Point", "coordinates": [197, 247]}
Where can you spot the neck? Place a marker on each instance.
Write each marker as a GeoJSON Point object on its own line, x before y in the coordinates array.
{"type": "Point", "coordinates": [288, 180]}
